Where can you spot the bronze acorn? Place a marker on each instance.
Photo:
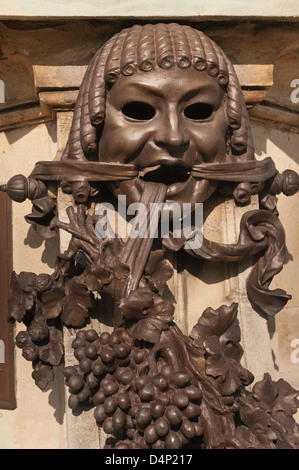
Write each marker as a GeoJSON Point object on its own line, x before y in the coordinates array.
{"type": "Point", "coordinates": [290, 182]}
{"type": "Point", "coordinates": [20, 188]}
{"type": "Point", "coordinates": [16, 188]}
{"type": "Point", "coordinates": [286, 182]}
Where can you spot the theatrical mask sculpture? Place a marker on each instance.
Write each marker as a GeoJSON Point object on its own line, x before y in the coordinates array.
{"type": "Point", "coordinates": [160, 118]}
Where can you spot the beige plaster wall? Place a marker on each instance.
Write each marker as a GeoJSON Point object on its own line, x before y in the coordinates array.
{"type": "Point", "coordinates": [282, 146]}
{"type": "Point", "coordinates": [38, 420]}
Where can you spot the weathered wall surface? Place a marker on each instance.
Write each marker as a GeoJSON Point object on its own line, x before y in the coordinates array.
{"type": "Point", "coordinates": [39, 421]}
{"type": "Point", "coordinates": [282, 146]}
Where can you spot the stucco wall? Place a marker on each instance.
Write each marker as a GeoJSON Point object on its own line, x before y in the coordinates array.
{"type": "Point", "coordinates": [282, 146]}
{"type": "Point", "coordinates": [38, 420]}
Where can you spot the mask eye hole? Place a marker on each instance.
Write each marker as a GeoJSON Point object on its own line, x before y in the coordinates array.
{"type": "Point", "coordinates": [198, 111]}
{"type": "Point", "coordinates": [139, 111]}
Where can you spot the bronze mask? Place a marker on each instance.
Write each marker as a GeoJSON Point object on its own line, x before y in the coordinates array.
{"type": "Point", "coordinates": [164, 98]}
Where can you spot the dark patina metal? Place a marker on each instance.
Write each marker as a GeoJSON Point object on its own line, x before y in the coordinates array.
{"type": "Point", "coordinates": [160, 117]}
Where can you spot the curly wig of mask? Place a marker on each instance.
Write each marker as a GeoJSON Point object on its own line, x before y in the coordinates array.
{"type": "Point", "coordinates": [146, 48]}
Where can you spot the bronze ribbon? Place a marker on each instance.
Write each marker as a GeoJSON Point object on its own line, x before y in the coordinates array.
{"type": "Point", "coordinates": [260, 232]}
{"type": "Point", "coordinates": [73, 171]}
{"type": "Point", "coordinates": [252, 171]}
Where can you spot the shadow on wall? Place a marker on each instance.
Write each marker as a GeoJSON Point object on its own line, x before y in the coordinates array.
{"type": "Point", "coordinates": [17, 74]}
{"type": "Point", "coordinates": [56, 395]}
{"type": "Point", "coordinates": [49, 254]}
{"type": "Point", "coordinates": [14, 135]}
{"type": "Point", "coordinates": [286, 140]}
{"type": "Point", "coordinates": [281, 96]}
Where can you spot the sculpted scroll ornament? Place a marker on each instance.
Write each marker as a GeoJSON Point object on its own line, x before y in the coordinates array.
{"type": "Point", "coordinates": [160, 118]}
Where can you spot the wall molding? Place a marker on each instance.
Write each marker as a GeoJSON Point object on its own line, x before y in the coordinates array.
{"type": "Point", "coordinates": [56, 89]}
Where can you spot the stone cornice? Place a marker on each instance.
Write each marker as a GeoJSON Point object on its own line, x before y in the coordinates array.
{"type": "Point", "coordinates": [56, 89]}
{"type": "Point", "coordinates": [155, 9]}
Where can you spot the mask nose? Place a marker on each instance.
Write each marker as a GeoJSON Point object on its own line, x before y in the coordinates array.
{"type": "Point", "coordinates": [171, 134]}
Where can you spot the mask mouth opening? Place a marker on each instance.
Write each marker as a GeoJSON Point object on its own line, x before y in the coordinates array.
{"type": "Point", "coordinates": [166, 174]}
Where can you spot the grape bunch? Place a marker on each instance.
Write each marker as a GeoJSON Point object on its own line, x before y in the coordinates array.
{"type": "Point", "coordinates": [98, 356]}
{"type": "Point", "coordinates": [42, 344]}
{"type": "Point", "coordinates": [30, 340]}
{"type": "Point", "coordinates": [169, 410]}
{"type": "Point", "coordinates": [140, 411]}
